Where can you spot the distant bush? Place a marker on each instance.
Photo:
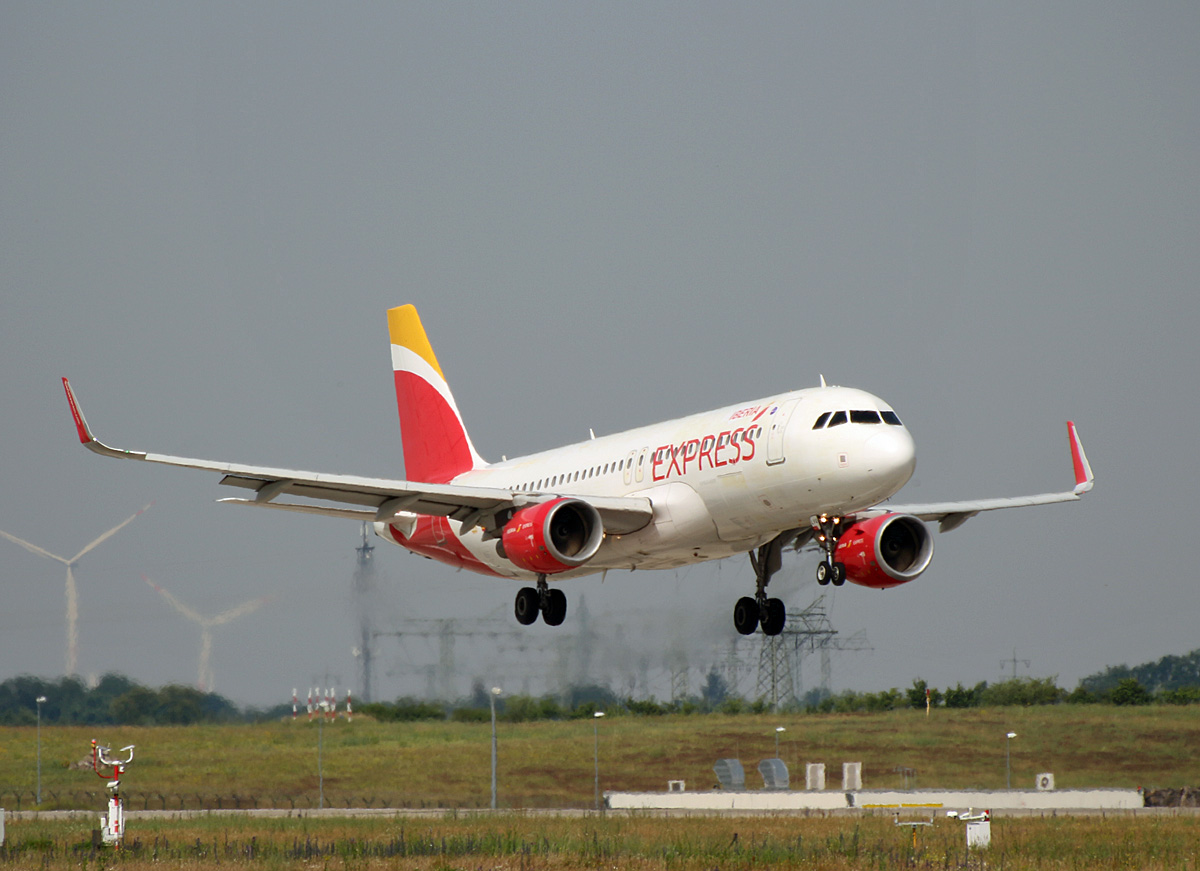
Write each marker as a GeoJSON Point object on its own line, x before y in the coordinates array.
{"type": "Point", "coordinates": [600, 698]}
{"type": "Point", "coordinates": [851, 702]}
{"type": "Point", "coordinates": [885, 700]}
{"type": "Point", "coordinates": [916, 695]}
{"type": "Point", "coordinates": [1181, 696]}
{"type": "Point", "coordinates": [521, 709]}
{"type": "Point", "coordinates": [1023, 691]}
{"type": "Point", "coordinates": [1081, 696]}
{"type": "Point", "coordinates": [471, 715]}
{"type": "Point", "coordinates": [732, 705]}
{"type": "Point", "coordinates": [1129, 691]}
{"type": "Point", "coordinates": [960, 697]}
{"type": "Point", "coordinates": [404, 710]}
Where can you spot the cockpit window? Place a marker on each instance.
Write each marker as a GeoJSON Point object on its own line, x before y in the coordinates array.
{"type": "Point", "coordinates": [890, 418]}
{"type": "Point", "coordinates": [864, 416]}
{"type": "Point", "coordinates": [822, 420]}
{"type": "Point", "coordinates": [838, 418]}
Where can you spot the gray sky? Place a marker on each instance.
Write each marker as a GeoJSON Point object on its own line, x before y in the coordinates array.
{"type": "Point", "coordinates": [987, 214]}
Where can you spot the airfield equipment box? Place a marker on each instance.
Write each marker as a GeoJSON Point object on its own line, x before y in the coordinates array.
{"type": "Point", "coordinates": [814, 775]}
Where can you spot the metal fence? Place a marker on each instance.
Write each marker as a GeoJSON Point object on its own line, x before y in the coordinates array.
{"type": "Point", "coordinates": [95, 800]}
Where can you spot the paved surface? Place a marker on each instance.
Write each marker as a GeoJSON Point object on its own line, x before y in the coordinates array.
{"type": "Point", "coordinates": [909, 810]}
{"type": "Point", "coordinates": [891, 800]}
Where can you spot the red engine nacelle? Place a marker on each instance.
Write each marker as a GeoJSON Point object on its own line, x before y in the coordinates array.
{"type": "Point", "coordinates": [553, 536]}
{"type": "Point", "coordinates": [885, 551]}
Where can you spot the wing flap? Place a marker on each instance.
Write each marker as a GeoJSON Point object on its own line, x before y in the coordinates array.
{"type": "Point", "coordinates": [323, 510]}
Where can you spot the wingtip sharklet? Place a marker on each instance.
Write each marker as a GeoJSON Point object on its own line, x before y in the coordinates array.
{"type": "Point", "coordinates": [1084, 479]}
{"type": "Point", "coordinates": [85, 434]}
{"type": "Point", "coordinates": [87, 439]}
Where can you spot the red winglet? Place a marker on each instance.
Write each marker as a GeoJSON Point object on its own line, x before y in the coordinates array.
{"type": "Point", "coordinates": [1083, 470]}
{"type": "Point", "coordinates": [85, 435]}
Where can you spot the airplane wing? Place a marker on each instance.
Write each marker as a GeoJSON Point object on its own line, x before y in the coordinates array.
{"type": "Point", "coordinates": [368, 499]}
{"type": "Point", "coordinates": [951, 515]}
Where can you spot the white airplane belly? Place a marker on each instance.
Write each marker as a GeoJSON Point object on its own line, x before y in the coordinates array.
{"type": "Point", "coordinates": [682, 532]}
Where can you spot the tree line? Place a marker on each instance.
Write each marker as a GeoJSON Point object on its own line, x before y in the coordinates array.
{"type": "Point", "coordinates": [117, 700]}
{"type": "Point", "coordinates": [114, 700]}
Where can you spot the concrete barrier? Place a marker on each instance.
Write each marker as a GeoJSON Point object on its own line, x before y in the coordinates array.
{"type": "Point", "coordinates": [1003, 799]}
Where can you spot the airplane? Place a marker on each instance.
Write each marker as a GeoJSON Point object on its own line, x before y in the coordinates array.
{"type": "Point", "coordinates": [814, 467]}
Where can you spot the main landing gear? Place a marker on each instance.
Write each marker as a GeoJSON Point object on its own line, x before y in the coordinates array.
{"type": "Point", "coordinates": [551, 604]}
{"type": "Point", "coordinates": [827, 531]}
{"type": "Point", "coordinates": [749, 613]}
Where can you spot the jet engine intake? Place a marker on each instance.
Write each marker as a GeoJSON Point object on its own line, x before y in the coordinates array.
{"type": "Point", "coordinates": [553, 536]}
{"type": "Point", "coordinates": [885, 551]}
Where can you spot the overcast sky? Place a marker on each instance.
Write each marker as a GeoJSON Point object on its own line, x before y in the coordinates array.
{"type": "Point", "coordinates": [607, 215]}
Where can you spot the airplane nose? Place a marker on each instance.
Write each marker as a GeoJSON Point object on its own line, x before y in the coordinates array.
{"type": "Point", "coordinates": [892, 455]}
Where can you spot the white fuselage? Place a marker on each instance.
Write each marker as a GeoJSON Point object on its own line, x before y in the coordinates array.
{"type": "Point", "coordinates": [721, 482]}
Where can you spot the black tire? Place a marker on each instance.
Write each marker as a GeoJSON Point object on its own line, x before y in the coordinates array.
{"type": "Point", "coordinates": [824, 573]}
{"type": "Point", "coordinates": [555, 611]}
{"type": "Point", "coordinates": [526, 606]}
{"type": "Point", "coordinates": [775, 618]}
{"type": "Point", "coordinates": [839, 574]}
{"type": "Point", "coordinates": [745, 616]}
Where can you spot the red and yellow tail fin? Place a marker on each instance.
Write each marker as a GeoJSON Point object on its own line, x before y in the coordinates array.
{"type": "Point", "coordinates": [436, 445]}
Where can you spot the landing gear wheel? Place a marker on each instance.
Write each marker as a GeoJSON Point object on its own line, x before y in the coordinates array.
{"type": "Point", "coordinates": [745, 616]}
{"type": "Point", "coordinates": [526, 607]}
{"type": "Point", "coordinates": [774, 617]}
{"type": "Point", "coordinates": [828, 530]}
{"type": "Point", "coordinates": [554, 607]}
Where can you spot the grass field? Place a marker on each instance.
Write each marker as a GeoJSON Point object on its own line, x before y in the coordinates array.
{"type": "Point", "coordinates": [550, 764]}
{"type": "Point", "coordinates": [518, 841]}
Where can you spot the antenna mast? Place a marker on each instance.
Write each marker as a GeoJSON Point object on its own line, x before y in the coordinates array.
{"type": "Point", "coordinates": [1013, 664]}
{"type": "Point", "coordinates": [364, 585]}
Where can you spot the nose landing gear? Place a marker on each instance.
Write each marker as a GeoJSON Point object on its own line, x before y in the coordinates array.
{"type": "Point", "coordinates": [827, 531]}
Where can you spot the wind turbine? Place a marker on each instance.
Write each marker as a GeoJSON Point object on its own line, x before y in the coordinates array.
{"type": "Point", "coordinates": [204, 681]}
{"type": "Point", "coordinates": [72, 593]}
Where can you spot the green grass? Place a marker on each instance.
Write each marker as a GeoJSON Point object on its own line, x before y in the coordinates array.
{"type": "Point", "coordinates": [549, 764]}
{"type": "Point", "coordinates": [636, 841]}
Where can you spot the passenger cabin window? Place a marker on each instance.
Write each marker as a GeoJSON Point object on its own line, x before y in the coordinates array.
{"type": "Point", "coordinates": [889, 417]}
{"type": "Point", "coordinates": [864, 417]}
{"type": "Point", "coordinates": [838, 418]}
{"type": "Point", "coordinates": [822, 420]}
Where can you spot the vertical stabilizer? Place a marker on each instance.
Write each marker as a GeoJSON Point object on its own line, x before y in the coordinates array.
{"type": "Point", "coordinates": [436, 445]}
